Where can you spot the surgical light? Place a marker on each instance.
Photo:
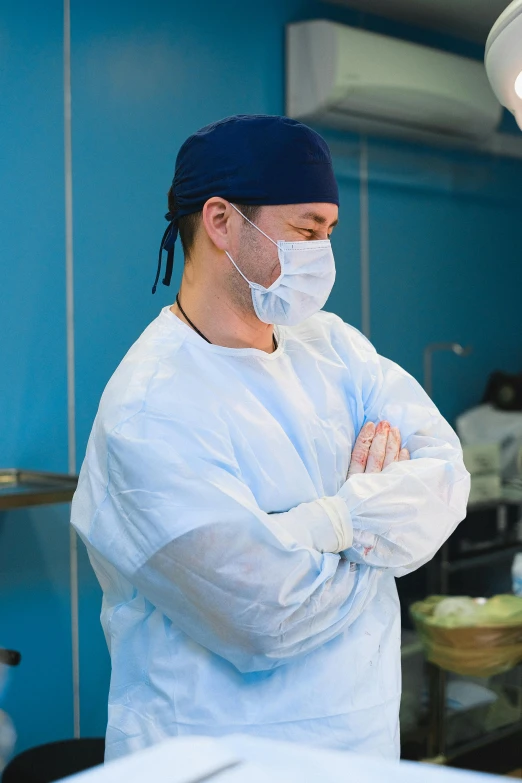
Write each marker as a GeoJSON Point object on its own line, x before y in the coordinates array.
{"type": "Point", "coordinates": [518, 85]}
{"type": "Point", "coordinates": [503, 59]}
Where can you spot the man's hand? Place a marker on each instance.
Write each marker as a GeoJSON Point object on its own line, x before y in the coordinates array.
{"type": "Point", "coordinates": [376, 447]}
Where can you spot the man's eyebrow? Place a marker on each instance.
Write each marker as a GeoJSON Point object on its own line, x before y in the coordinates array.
{"type": "Point", "coordinates": [316, 218]}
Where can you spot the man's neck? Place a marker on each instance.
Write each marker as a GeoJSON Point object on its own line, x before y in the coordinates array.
{"type": "Point", "coordinates": [211, 311]}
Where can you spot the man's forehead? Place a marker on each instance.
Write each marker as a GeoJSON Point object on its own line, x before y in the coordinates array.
{"type": "Point", "coordinates": [319, 217]}
{"type": "Point", "coordinates": [321, 214]}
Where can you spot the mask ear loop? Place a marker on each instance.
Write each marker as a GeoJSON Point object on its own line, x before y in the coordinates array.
{"type": "Point", "coordinates": [253, 285]}
{"type": "Point", "coordinates": [239, 270]}
{"type": "Point", "coordinates": [253, 224]}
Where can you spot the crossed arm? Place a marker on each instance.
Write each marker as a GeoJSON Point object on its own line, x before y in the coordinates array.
{"type": "Point", "coordinates": [260, 589]}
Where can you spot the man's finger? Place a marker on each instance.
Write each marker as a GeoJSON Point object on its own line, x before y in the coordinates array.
{"type": "Point", "coordinates": [361, 449]}
{"type": "Point", "coordinates": [404, 454]}
{"type": "Point", "coordinates": [378, 448]}
{"type": "Point", "coordinates": [393, 447]}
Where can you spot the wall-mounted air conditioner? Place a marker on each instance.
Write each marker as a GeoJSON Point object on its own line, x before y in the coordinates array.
{"type": "Point", "coordinates": [342, 77]}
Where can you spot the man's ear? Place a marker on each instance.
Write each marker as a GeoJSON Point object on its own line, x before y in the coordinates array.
{"type": "Point", "coordinates": [217, 215]}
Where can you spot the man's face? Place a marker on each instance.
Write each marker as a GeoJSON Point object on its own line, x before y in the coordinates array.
{"type": "Point", "coordinates": [257, 257]}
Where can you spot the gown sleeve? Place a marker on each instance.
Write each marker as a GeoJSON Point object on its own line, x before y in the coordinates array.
{"type": "Point", "coordinates": [180, 524]}
{"type": "Point", "coordinates": [401, 516]}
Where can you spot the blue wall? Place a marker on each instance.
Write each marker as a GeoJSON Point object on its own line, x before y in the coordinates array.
{"type": "Point", "coordinates": [34, 544]}
{"type": "Point", "coordinates": [445, 261]}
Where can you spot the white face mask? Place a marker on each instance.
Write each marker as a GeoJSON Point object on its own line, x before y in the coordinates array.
{"type": "Point", "coordinates": [301, 290]}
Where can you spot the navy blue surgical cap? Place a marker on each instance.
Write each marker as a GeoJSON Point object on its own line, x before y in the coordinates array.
{"type": "Point", "coordinates": [253, 159]}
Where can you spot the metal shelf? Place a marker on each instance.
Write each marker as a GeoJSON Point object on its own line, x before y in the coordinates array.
{"type": "Point", "coordinates": [21, 488]}
{"type": "Point", "coordinates": [484, 505]}
{"type": "Point", "coordinates": [414, 648]}
{"type": "Point", "coordinates": [481, 742]}
{"type": "Point", "coordinates": [497, 552]}
{"type": "Point", "coordinates": [489, 556]}
{"type": "Point", "coordinates": [421, 735]}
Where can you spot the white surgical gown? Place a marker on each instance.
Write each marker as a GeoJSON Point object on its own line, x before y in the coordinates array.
{"type": "Point", "coordinates": [247, 585]}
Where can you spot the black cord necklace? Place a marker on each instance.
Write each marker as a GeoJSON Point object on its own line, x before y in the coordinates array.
{"type": "Point", "coordinates": [190, 322]}
{"type": "Point", "coordinates": [201, 333]}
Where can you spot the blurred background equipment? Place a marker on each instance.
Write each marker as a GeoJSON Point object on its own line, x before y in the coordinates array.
{"type": "Point", "coordinates": [470, 698]}
{"type": "Point", "coordinates": [504, 59]}
{"type": "Point", "coordinates": [504, 391]}
{"type": "Point", "coordinates": [9, 657]}
{"type": "Point", "coordinates": [7, 731]}
{"type": "Point", "coordinates": [471, 636]}
{"type": "Point", "coordinates": [516, 574]}
{"type": "Point", "coordinates": [483, 462]}
{"type": "Point", "coordinates": [55, 760]}
{"type": "Point", "coordinates": [430, 349]}
{"type": "Point", "coordinates": [492, 443]}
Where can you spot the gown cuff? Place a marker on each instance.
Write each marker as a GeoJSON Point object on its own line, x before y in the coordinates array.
{"type": "Point", "coordinates": [339, 515]}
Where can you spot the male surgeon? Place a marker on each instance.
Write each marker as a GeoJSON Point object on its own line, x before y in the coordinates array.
{"type": "Point", "coordinates": [257, 476]}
